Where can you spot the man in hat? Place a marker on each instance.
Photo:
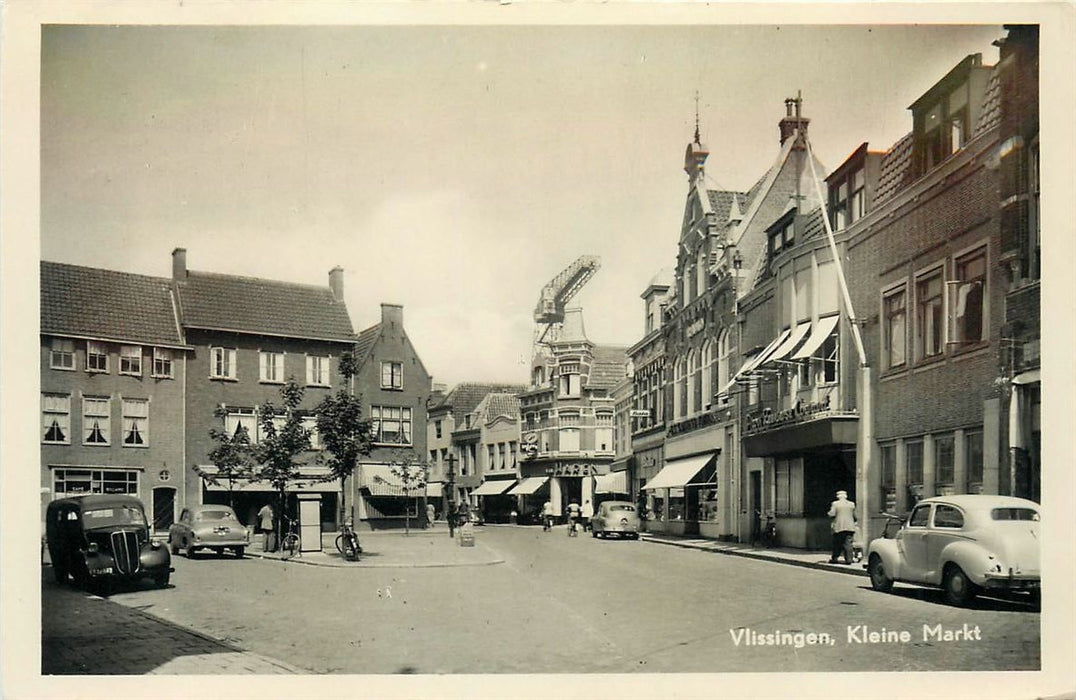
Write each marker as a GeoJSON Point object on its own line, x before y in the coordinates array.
{"type": "Point", "coordinates": [843, 513]}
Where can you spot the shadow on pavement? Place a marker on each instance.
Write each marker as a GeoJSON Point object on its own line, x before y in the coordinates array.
{"type": "Point", "coordinates": [936, 596]}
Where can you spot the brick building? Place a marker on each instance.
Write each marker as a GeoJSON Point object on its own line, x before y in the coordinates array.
{"type": "Point", "coordinates": [248, 336]}
{"type": "Point", "coordinates": [113, 369]}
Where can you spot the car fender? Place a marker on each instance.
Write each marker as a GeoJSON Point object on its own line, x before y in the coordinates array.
{"type": "Point", "coordinates": [154, 557]}
{"type": "Point", "coordinates": [971, 557]}
{"type": "Point", "coordinates": [890, 554]}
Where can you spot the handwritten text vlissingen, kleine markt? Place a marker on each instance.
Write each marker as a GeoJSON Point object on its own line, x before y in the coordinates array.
{"type": "Point", "coordinates": [854, 634]}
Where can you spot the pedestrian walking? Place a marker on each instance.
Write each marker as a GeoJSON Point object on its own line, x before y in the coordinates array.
{"type": "Point", "coordinates": [547, 516]}
{"type": "Point", "coordinates": [843, 513]}
{"type": "Point", "coordinates": [431, 513]}
{"type": "Point", "coordinates": [265, 522]}
{"type": "Point", "coordinates": [588, 513]}
{"type": "Point", "coordinates": [573, 518]}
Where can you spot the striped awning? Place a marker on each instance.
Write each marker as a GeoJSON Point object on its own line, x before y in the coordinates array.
{"type": "Point", "coordinates": [379, 480]}
{"type": "Point", "coordinates": [613, 482]}
{"type": "Point", "coordinates": [493, 487]}
{"type": "Point", "coordinates": [528, 486]}
{"type": "Point", "coordinates": [434, 490]}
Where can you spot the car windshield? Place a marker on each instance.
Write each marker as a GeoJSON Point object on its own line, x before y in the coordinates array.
{"type": "Point", "coordinates": [214, 515]}
{"type": "Point", "coordinates": [630, 509]}
{"type": "Point", "coordinates": [115, 515]}
{"type": "Point", "coordinates": [1014, 514]}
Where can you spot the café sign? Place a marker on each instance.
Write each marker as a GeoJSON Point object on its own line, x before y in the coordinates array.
{"type": "Point", "coordinates": [765, 420]}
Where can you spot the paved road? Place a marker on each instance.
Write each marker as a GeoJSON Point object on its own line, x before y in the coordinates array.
{"type": "Point", "coordinates": [562, 604]}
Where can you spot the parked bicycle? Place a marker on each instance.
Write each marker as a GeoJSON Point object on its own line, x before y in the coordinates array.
{"type": "Point", "coordinates": [347, 542]}
{"type": "Point", "coordinates": [767, 534]}
{"type": "Point", "coordinates": [289, 545]}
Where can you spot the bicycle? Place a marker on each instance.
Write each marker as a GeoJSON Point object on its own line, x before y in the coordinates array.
{"type": "Point", "coordinates": [573, 527]}
{"type": "Point", "coordinates": [347, 542]}
{"type": "Point", "coordinates": [767, 535]}
{"type": "Point", "coordinates": [289, 545]}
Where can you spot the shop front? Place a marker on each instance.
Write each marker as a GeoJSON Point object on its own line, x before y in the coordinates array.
{"type": "Point", "coordinates": [384, 502]}
{"type": "Point", "coordinates": [247, 497]}
{"type": "Point", "coordinates": [805, 460]}
{"type": "Point", "coordinates": [683, 495]}
{"type": "Point", "coordinates": [494, 502]}
{"type": "Point", "coordinates": [531, 494]}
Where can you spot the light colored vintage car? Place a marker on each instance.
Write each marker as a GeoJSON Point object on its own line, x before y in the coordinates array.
{"type": "Point", "coordinates": [208, 527]}
{"type": "Point", "coordinates": [615, 518]}
{"type": "Point", "coordinates": [963, 544]}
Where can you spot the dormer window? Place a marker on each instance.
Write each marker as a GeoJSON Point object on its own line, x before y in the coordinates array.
{"type": "Point", "coordinates": [943, 117]}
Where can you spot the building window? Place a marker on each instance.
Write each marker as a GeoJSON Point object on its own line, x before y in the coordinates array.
{"type": "Point", "coordinates": [392, 375]}
{"type": "Point", "coordinates": [694, 401]}
{"type": "Point", "coordinates": [857, 206]}
{"type": "Point", "coordinates": [723, 352]}
{"type": "Point", "coordinates": [222, 363]}
{"type": "Point", "coordinates": [789, 486]}
{"type": "Point", "coordinates": [131, 360]}
{"type": "Point", "coordinates": [71, 482]}
{"type": "Point", "coordinates": [311, 424]}
{"type": "Point", "coordinates": [96, 357]}
{"type": "Point", "coordinates": [700, 268]}
{"type": "Point", "coordinates": [317, 371]}
{"type": "Point", "coordinates": [162, 362]}
{"type": "Point", "coordinates": [62, 354]}
{"type": "Point", "coordinates": [973, 460]}
{"type": "Point", "coordinates": [96, 420]}
{"type": "Point", "coordinates": [569, 380]}
{"type": "Point", "coordinates": [569, 440]}
{"type": "Point", "coordinates": [840, 206]}
{"type": "Point", "coordinates": [969, 290]}
{"type": "Point", "coordinates": [437, 426]}
{"type": "Point", "coordinates": [889, 477]}
{"type": "Point", "coordinates": [271, 367]}
{"type": "Point", "coordinates": [568, 419]}
{"type": "Point", "coordinates": [239, 420]}
{"type": "Point", "coordinates": [913, 459]}
{"type": "Point", "coordinates": [944, 463]}
{"type": "Point", "coordinates": [56, 418]}
{"type": "Point", "coordinates": [895, 328]}
{"type": "Point", "coordinates": [603, 439]}
{"type": "Point", "coordinates": [513, 448]}
{"type": "Point", "coordinates": [934, 146]}
{"type": "Point", "coordinates": [391, 425]}
{"type": "Point", "coordinates": [830, 360]}
{"type": "Point", "coordinates": [928, 315]}
{"type": "Point", "coordinates": [135, 422]}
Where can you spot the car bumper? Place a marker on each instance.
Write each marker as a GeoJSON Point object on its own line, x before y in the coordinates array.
{"type": "Point", "coordinates": [233, 542]}
{"type": "Point", "coordinates": [1012, 583]}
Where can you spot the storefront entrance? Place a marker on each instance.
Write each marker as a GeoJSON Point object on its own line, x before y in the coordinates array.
{"type": "Point", "coordinates": [164, 508]}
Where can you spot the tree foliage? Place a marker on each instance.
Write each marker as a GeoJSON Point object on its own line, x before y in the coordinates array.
{"type": "Point", "coordinates": [345, 436]}
{"type": "Point", "coordinates": [230, 454]}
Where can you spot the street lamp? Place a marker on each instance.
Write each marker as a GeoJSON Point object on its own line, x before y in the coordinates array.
{"type": "Point", "coordinates": [450, 508]}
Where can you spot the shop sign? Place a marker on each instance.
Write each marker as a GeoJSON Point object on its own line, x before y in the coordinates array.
{"type": "Point", "coordinates": [763, 420]}
{"type": "Point", "coordinates": [569, 470]}
{"type": "Point", "coordinates": [640, 413]}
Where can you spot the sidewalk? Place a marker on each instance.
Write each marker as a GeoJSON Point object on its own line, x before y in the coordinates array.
{"type": "Point", "coordinates": [84, 634]}
{"type": "Point", "coordinates": [393, 549]}
{"type": "Point", "coordinates": [785, 555]}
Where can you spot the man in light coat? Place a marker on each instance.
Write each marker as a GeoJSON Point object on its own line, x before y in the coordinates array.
{"type": "Point", "coordinates": [843, 513]}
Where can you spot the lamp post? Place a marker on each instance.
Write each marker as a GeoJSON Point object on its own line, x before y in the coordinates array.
{"type": "Point", "coordinates": [450, 508]}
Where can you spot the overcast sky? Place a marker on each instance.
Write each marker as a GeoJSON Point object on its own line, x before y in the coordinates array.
{"type": "Point", "coordinates": [454, 170]}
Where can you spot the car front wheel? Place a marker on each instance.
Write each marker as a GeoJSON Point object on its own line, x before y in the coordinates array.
{"type": "Point", "coordinates": [959, 590]}
{"type": "Point", "coordinates": [239, 552]}
{"type": "Point", "coordinates": [880, 580]}
{"type": "Point", "coordinates": [161, 579]}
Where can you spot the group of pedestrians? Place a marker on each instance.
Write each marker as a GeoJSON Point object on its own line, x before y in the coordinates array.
{"type": "Point", "coordinates": [577, 515]}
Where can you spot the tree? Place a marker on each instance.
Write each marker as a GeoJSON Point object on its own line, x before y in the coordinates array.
{"type": "Point", "coordinates": [412, 474]}
{"type": "Point", "coordinates": [344, 435]}
{"type": "Point", "coordinates": [284, 437]}
{"type": "Point", "coordinates": [231, 455]}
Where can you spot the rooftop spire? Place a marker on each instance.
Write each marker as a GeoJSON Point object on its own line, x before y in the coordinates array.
{"type": "Point", "coordinates": [697, 137]}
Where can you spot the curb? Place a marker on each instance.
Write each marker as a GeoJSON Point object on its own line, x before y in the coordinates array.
{"type": "Point", "coordinates": [848, 569]}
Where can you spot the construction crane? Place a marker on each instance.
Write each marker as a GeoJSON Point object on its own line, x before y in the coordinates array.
{"type": "Point", "coordinates": [549, 313]}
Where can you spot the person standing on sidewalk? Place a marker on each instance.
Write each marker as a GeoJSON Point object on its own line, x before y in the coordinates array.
{"type": "Point", "coordinates": [588, 513]}
{"type": "Point", "coordinates": [843, 513]}
{"type": "Point", "coordinates": [265, 521]}
{"type": "Point", "coordinates": [431, 513]}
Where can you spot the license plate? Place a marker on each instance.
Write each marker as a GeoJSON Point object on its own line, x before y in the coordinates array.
{"type": "Point", "coordinates": [100, 572]}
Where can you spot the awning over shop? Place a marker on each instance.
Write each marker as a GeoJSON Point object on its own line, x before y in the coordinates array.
{"type": "Point", "coordinates": [528, 486]}
{"type": "Point", "coordinates": [613, 482]}
{"type": "Point", "coordinates": [493, 487]}
{"type": "Point", "coordinates": [822, 330]}
{"type": "Point", "coordinates": [299, 486]}
{"type": "Point", "coordinates": [679, 472]}
{"type": "Point", "coordinates": [379, 480]}
{"type": "Point", "coordinates": [794, 339]}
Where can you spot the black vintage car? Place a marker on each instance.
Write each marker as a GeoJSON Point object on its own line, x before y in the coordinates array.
{"type": "Point", "coordinates": [104, 539]}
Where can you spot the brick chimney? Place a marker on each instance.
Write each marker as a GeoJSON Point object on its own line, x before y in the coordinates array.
{"type": "Point", "coordinates": [336, 283]}
{"type": "Point", "coordinates": [392, 317]}
{"type": "Point", "coordinates": [793, 121]}
{"type": "Point", "coordinates": [179, 264]}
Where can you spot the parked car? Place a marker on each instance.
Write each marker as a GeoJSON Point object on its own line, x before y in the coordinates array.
{"type": "Point", "coordinates": [208, 527]}
{"type": "Point", "coordinates": [615, 518]}
{"type": "Point", "coordinates": [103, 539]}
{"type": "Point", "coordinates": [963, 544]}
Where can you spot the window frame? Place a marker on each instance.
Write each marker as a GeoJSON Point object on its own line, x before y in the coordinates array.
{"type": "Point", "coordinates": [378, 420]}
{"type": "Point", "coordinates": [395, 375]}
{"type": "Point", "coordinates": [961, 261]}
{"type": "Point", "coordinates": [66, 414]}
{"type": "Point", "coordinates": [888, 316]}
{"type": "Point", "coordinates": [101, 352]}
{"type": "Point", "coordinates": [63, 353]}
{"type": "Point", "coordinates": [923, 278]}
{"type": "Point", "coordinates": [972, 438]}
{"type": "Point", "coordinates": [161, 358]}
{"type": "Point", "coordinates": [125, 415]}
{"type": "Point", "coordinates": [130, 355]}
{"type": "Point", "coordinates": [221, 356]}
{"type": "Point", "coordinates": [315, 361]}
{"type": "Point", "coordinates": [103, 422]}
{"type": "Point", "coordinates": [942, 440]}
{"type": "Point", "coordinates": [264, 365]}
